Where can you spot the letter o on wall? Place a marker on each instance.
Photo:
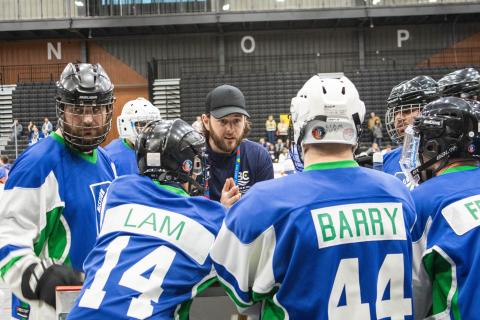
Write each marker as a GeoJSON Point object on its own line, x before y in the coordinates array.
{"type": "Point", "coordinates": [251, 48]}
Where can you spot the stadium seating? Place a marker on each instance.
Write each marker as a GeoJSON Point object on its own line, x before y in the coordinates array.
{"type": "Point", "coordinates": [31, 102]}
{"type": "Point", "coordinates": [271, 93]}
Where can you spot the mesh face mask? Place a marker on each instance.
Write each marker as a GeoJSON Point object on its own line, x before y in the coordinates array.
{"type": "Point", "coordinates": [398, 118]}
{"type": "Point", "coordinates": [84, 126]}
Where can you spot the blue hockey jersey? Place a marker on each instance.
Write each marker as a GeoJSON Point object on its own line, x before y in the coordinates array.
{"type": "Point", "coordinates": [391, 163]}
{"type": "Point", "coordinates": [50, 208]}
{"type": "Point", "coordinates": [447, 245]}
{"type": "Point", "coordinates": [152, 255]}
{"type": "Point", "coordinates": [332, 242]}
{"type": "Point", "coordinates": [123, 156]}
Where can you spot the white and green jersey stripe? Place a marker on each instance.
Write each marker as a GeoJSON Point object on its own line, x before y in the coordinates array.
{"type": "Point", "coordinates": [50, 207]}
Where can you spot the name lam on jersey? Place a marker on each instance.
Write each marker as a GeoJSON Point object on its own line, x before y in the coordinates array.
{"type": "Point", "coordinates": [359, 222]}
{"type": "Point", "coordinates": [187, 234]}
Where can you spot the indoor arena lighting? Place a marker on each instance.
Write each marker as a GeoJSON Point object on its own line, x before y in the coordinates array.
{"type": "Point", "coordinates": [79, 3]}
{"type": "Point", "coordinates": [226, 7]}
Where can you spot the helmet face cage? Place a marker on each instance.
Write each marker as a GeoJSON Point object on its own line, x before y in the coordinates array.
{"type": "Point", "coordinates": [405, 101]}
{"type": "Point", "coordinates": [84, 105]}
{"type": "Point", "coordinates": [84, 127]}
{"type": "Point", "coordinates": [397, 119]}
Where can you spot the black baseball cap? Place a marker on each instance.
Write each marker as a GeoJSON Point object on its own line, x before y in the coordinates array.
{"type": "Point", "coordinates": [225, 100]}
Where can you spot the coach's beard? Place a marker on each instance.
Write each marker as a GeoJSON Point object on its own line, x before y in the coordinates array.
{"type": "Point", "coordinates": [223, 145]}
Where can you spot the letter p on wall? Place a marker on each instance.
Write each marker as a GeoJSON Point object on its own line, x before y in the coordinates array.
{"type": "Point", "coordinates": [402, 35]}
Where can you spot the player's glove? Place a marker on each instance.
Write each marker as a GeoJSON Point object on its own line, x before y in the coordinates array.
{"type": "Point", "coordinates": [40, 280]}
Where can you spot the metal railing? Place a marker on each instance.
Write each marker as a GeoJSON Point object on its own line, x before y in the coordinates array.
{"type": "Point", "coordinates": [66, 9]}
{"type": "Point", "coordinates": [31, 73]}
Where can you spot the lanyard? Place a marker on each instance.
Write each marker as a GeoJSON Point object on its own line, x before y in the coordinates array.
{"type": "Point", "coordinates": [237, 166]}
{"type": "Point", "coordinates": [235, 175]}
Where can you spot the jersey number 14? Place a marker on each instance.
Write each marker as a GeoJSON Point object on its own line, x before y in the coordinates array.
{"type": "Point", "coordinates": [149, 288]}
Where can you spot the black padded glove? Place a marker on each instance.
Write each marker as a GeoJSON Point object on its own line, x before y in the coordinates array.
{"type": "Point", "coordinates": [40, 280]}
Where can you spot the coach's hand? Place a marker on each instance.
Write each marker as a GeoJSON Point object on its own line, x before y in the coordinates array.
{"type": "Point", "coordinates": [40, 280]}
{"type": "Point", "coordinates": [230, 193]}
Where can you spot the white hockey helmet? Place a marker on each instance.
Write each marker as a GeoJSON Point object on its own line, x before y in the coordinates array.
{"type": "Point", "coordinates": [327, 110]}
{"type": "Point", "coordinates": [135, 115]}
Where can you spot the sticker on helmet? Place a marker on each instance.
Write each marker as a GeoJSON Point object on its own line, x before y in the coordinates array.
{"type": "Point", "coordinates": [471, 148]}
{"type": "Point", "coordinates": [348, 134]}
{"type": "Point", "coordinates": [319, 133]}
{"type": "Point", "coordinates": [187, 165]}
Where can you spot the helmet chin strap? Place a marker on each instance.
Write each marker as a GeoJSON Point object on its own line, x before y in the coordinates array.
{"type": "Point", "coordinates": [444, 156]}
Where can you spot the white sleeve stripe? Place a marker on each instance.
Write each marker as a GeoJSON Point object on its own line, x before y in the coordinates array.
{"type": "Point", "coordinates": [250, 264]}
{"type": "Point", "coordinates": [14, 254]}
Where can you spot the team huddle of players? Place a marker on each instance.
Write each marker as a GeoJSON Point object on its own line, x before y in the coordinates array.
{"type": "Point", "coordinates": [336, 241]}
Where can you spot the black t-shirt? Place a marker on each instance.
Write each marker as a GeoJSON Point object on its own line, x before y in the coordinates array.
{"type": "Point", "coordinates": [255, 166]}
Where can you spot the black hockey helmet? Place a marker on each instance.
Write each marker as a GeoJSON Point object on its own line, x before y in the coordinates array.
{"type": "Point", "coordinates": [463, 83]}
{"type": "Point", "coordinates": [408, 97]}
{"type": "Point", "coordinates": [447, 129]}
{"type": "Point", "coordinates": [84, 103]}
{"type": "Point", "coordinates": [172, 151]}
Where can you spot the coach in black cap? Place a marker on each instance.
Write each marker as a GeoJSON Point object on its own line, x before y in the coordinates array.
{"type": "Point", "coordinates": [236, 163]}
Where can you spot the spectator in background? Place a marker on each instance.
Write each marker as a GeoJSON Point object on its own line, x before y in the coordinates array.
{"type": "Point", "coordinates": [47, 127]}
{"type": "Point", "coordinates": [371, 122]}
{"type": "Point", "coordinates": [263, 143]}
{"type": "Point", "coordinates": [377, 133]}
{"type": "Point", "coordinates": [17, 129]}
{"type": "Point", "coordinates": [279, 147]}
{"type": "Point", "coordinates": [282, 129]}
{"type": "Point", "coordinates": [30, 130]}
{"type": "Point", "coordinates": [3, 179]}
{"type": "Point", "coordinates": [236, 163]}
{"type": "Point", "coordinates": [36, 136]}
{"type": "Point", "coordinates": [197, 125]}
{"type": "Point", "coordinates": [4, 162]}
{"type": "Point", "coordinates": [270, 127]}
{"type": "Point", "coordinates": [271, 152]}
{"type": "Point", "coordinates": [283, 155]}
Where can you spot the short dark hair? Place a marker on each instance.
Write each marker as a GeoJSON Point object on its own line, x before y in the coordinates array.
{"type": "Point", "coordinates": [4, 159]}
